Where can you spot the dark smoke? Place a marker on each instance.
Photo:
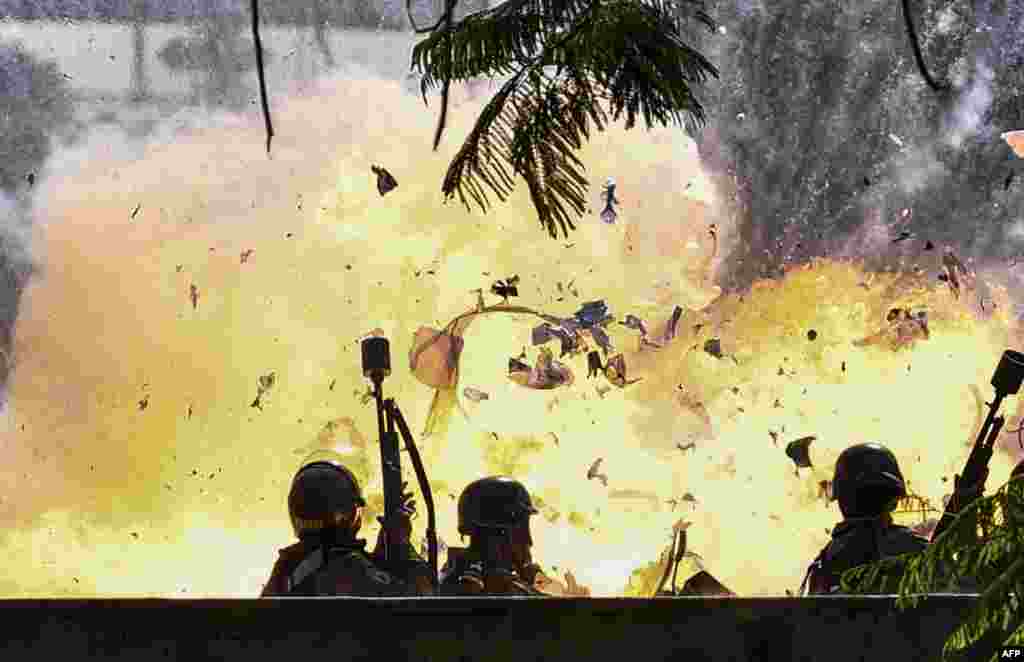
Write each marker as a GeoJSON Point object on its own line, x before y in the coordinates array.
{"type": "Point", "coordinates": [799, 136]}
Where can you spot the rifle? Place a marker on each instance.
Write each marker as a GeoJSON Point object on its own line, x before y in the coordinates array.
{"type": "Point", "coordinates": [376, 354]}
{"type": "Point", "coordinates": [1006, 381]}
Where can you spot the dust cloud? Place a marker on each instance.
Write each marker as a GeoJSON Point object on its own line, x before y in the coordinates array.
{"type": "Point", "coordinates": [138, 466]}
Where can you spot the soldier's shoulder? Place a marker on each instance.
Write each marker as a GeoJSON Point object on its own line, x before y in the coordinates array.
{"type": "Point", "coordinates": [292, 551]}
{"type": "Point", "coordinates": [906, 538]}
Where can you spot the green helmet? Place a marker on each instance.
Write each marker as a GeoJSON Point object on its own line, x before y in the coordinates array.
{"type": "Point", "coordinates": [323, 493]}
{"type": "Point", "coordinates": [495, 502]}
{"type": "Point", "coordinates": [868, 481]}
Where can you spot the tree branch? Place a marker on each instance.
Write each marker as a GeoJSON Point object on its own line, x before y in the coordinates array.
{"type": "Point", "coordinates": [259, 71]}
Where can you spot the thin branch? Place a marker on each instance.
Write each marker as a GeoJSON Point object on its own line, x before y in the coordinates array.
{"type": "Point", "coordinates": [912, 34]}
{"type": "Point", "coordinates": [259, 70]}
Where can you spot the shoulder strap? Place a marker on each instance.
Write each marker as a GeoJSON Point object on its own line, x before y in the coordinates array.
{"type": "Point", "coordinates": [313, 562]}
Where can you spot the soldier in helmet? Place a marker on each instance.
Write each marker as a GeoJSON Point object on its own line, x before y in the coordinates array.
{"type": "Point", "coordinates": [867, 484]}
{"type": "Point", "coordinates": [325, 503]}
{"type": "Point", "coordinates": [495, 513]}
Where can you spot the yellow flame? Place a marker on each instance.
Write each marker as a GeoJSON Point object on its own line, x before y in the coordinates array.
{"type": "Point", "coordinates": [186, 496]}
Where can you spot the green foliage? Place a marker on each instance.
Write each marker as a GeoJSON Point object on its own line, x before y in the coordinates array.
{"type": "Point", "coordinates": [569, 64]}
{"type": "Point", "coordinates": [983, 546]}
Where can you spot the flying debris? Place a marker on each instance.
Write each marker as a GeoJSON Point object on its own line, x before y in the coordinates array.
{"type": "Point", "coordinates": [601, 338]}
{"type": "Point", "coordinates": [671, 324]}
{"type": "Point", "coordinates": [266, 382]}
{"type": "Point", "coordinates": [798, 450]}
{"type": "Point", "coordinates": [135, 212]}
{"type": "Point", "coordinates": [608, 215]}
{"type": "Point", "coordinates": [594, 365]}
{"type": "Point", "coordinates": [193, 294]}
{"type": "Point", "coordinates": [331, 386]}
{"type": "Point", "coordinates": [546, 373]}
{"type": "Point", "coordinates": [896, 139]}
{"type": "Point", "coordinates": [480, 303]}
{"type": "Point", "coordinates": [30, 178]}
{"type": "Point", "coordinates": [825, 490]}
{"type": "Point", "coordinates": [568, 337]}
{"type": "Point", "coordinates": [775, 437]}
{"type": "Point", "coordinates": [244, 256]}
{"type": "Point", "coordinates": [615, 372]}
{"type": "Point", "coordinates": [385, 182]}
{"type": "Point", "coordinates": [592, 472]}
{"type": "Point", "coordinates": [1008, 181]}
{"type": "Point", "coordinates": [188, 416]}
{"type": "Point", "coordinates": [634, 322]}
{"type": "Point", "coordinates": [714, 348]}
{"type": "Point", "coordinates": [475, 395]}
{"type": "Point", "coordinates": [954, 269]}
{"type": "Point", "coordinates": [691, 446]}
{"type": "Point", "coordinates": [506, 288]}
{"type": "Point", "coordinates": [903, 236]}
{"type": "Point", "coordinates": [593, 313]}
{"type": "Point", "coordinates": [929, 246]}
{"type": "Point", "coordinates": [1015, 139]}
{"type": "Point", "coordinates": [143, 403]}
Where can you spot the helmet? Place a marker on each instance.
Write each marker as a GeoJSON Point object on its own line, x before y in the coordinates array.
{"type": "Point", "coordinates": [323, 492]}
{"type": "Point", "coordinates": [495, 502]}
{"type": "Point", "coordinates": [867, 481]}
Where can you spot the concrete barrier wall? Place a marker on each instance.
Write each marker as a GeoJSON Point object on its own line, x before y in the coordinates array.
{"type": "Point", "coordinates": [827, 629]}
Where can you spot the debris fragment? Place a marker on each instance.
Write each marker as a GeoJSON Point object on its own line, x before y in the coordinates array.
{"type": "Point", "coordinates": [30, 178]}
{"type": "Point", "coordinates": [592, 472]}
{"type": "Point", "coordinates": [798, 450]}
{"type": "Point", "coordinates": [1015, 139]}
{"type": "Point", "coordinates": [953, 268]}
{"type": "Point", "coordinates": [244, 256]}
{"type": "Point", "coordinates": [143, 403]}
{"type": "Point", "coordinates": [825, 490]}
{"type": "Point", "coordinates": [691, 446]}
{"type": "Point", "coordinates": [812, 335]}
{"type": "Point", "coordinates": [608, 214]}
{"type": "Point", "coordinates": [546, 373]}
{"type": "Point", "coordinates": [903, 236]}
{"type": "Point", "coordinates": [266, 382]}
{"type": "Point", "coordinates": [714, 348]}
{"type": "Point", "coordinates": [135, 212]}
{"type": "Point", "coordinates": [385, 181]}
{"type": "Point", "coordinates": [178, 268]}
{"type": "Point", "coordinates": [506, 288]}
{"type": "Point", "coordinates": [615, 372]}
{"type": "Point", "coordinates": [475, 395]}
{"type": "Point", "coordinates": [331, 386]}
{"type": "Point", "coordinates": [193, 294]}
{"type": "Point", "coordinates": [896, 139]}
{"type": "Point", "coordinates": [188, 416]}
{"type": "Point", "coordinates": [594, 364]}
{"type": "Point", "coordinates": [1008, 181]}
{"type": "Point", "coordinates": [929, 246]}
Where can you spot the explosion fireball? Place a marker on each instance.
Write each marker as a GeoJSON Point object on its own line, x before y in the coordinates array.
{"type": "Point", "coordinates": [142, 297]}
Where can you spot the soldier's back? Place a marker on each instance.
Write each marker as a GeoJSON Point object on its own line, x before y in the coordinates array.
{"type": "Point", "coordinates": [856, 543]}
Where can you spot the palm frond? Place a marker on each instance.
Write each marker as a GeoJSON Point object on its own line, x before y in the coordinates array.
{"type": "Point", "coordinates": [566, 62]}
{"type": "Point", "coordinates": [993, 560]}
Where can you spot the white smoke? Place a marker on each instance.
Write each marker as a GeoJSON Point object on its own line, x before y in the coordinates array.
{"type": "Point", "coordinates": [967, 117]}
